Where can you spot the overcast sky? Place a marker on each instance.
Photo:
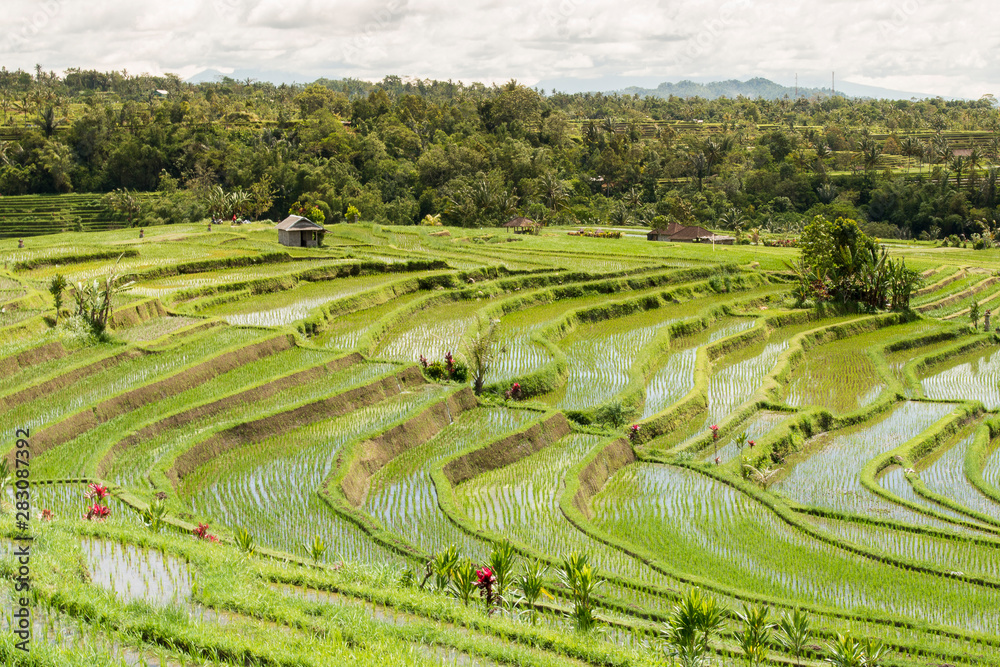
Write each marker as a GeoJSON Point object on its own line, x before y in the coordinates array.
{"type": "Point", "coordinates": [944, 48]}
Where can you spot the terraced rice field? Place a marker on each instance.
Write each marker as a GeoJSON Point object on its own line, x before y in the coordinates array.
{"type": "Point", "coordinates": [296, 428]}
{"type": "Point", "coordinates": [286, 470]}
{"type": "Point", "coordinates": [403, 498]}
{"type": "Point", "coordinates": [288, 306]}
{"type": "Point", "coordinates": [600, 356]}
{"type": "Point", "coordinates": [975, 375]}
{"type": "Point", "coordinates": [831, 474]}
{"type": "Point", "coordinates": [944, 474]}
{"type": "Point", "coordinates": [705, 528]}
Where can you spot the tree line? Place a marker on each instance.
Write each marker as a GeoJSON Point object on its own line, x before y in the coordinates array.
{"type": "Point", "coordinates": [397, 151]}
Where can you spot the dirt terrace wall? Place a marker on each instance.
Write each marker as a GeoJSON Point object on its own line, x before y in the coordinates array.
{"type": "Point", "coordinates": [137, 313]}
{"type": "Point", "coordinates": [507, 451]}
{"type": "Point", "coordinates": [33, 392]}
{"type": "Point", "coordinates": [252, 395]}
{"type": "Point", "coordinates": [36, 355]}
{"type": "Point", "coordinates": [596, 474]}
{"type": "Point", "coordinates": [261, 429]}
{"type": "Point", "coordinates": [378, 451]}
{"type": "Point", "coordinates": [70, 428]}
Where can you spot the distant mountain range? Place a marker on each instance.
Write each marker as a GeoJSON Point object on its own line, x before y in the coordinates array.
{"type": "Point", "coordinates": [707, 88]}
{"type": "Point", "coordinates": [644, 86]}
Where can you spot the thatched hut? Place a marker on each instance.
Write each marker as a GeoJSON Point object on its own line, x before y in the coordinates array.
{"type": "Point", "coordinates": [520, 225]}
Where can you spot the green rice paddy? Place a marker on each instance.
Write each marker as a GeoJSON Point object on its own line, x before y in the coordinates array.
{"type": "Point", "coordinates": [321, 450]}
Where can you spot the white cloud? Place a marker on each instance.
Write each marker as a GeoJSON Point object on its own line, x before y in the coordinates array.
{"type": "Point", "coordinates": [910, 44]}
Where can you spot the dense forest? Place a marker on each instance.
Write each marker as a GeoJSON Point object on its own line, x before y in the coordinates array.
{"type": "Point", "coordinates": [399, 151]}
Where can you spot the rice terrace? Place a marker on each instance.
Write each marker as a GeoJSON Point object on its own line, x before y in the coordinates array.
{"type": "Point", "coordinates": [427, 445]}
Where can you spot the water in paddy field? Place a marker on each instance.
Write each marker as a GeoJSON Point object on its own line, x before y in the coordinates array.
{"type": "Point", "coordinates": [68, 502]}
{"type": "Point", "coordinates": [755, 428]}
{"type": "Point", "coordinates": [894, 479]}
{"type": "Point", "coordinates": [675, 378]}
{"type": "Point", "coordinates": [956, 555]}
{"type": "Point", "coordinates": [704, 527]}
{"type": "Point", "coordinates": [945, 475]}
{"type": "Point", "coordinates": [972, 376]}
{"type": "Point", "coordinates": [53, 629]}
{"type": "Point", "coordinates": [830, 474]}
{"type": "Point", "coordinates": [132, 573]}
{"type": "Point", "coordinates": [389, 616]}
{"type": "Point", "coordinates": [991, 470]}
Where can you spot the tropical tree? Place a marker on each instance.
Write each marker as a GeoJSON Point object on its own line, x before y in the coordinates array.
{"type": "Point", "coordinates": [691, 626]}
{"type": "Point", "coordinates": [552, 192]}
{"type": "Point", "coordinates": [483, 349]}
{"type": "Point", "coordinates": [95, 299]}
{"type": "Point", "coordinates": [125, 203]}
{"type": "Point", "coordinates": [794, 633]}
{"type": "Point", "coordinates": [755, 635]}
{"type": "Point", "coordinates": [56, 287]}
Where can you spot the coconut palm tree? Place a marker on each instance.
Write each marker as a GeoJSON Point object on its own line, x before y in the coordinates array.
{"type": "Point", "coordinates": [958, 164]}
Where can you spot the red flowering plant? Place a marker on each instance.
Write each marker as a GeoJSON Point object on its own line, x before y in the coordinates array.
{"type": "Point", "coordinates": [449, 363]}
{"type": "Point", "coordinates": [423, 361]}
{"type": "Point", "coordinates": [633, 433]}
{"type": "Point", "coordinates": [715, 431]}
{"type": "Point", "coordinates": [201, 533]}
{"type": "Point", "coordinates": [97, 512]}
{"type": "Point", "coordinates": [485, 581]}
{"type": "Point", "coordinates": [47, 515]}
{"type": "Point", "coordinates": [514, 392]}
{"type": "Point", "coordinates": [97, 492]}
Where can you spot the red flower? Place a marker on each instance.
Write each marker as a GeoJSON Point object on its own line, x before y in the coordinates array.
{"type": "Point", "coordinates": [718, 460]}
{"type": "Point", "coordinates": [633, 432]}
{"type": "Point", "coordinates": [201, 532]}
{"type": "Point", "coordinates": [423, 361]}
{"type": "Point", "coordinates": [213, 538]}
{"type": "Point", "coordinates": [715, 431]}
{"type": "Point", "coordinates": [97, 491]}
{"type": "Point", "coordinates": [47, 515]}
{"type": "Point", "coordinates": [751, 443]}
{"type": "Point", "coordinates": [99, 512]}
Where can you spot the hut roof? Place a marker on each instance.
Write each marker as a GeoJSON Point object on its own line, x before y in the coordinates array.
{"type": "Point", "coordinates": [686, 233]}
{"type": "Point", "coordinates": [519, 222]}
{"type": "Point", "coordinates": [299, 224]}
{"type": "Point", "coordinates": [669, 230]}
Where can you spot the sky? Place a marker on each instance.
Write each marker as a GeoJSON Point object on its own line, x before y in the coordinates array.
{"type": "Point", "coordinates": [940, 48]}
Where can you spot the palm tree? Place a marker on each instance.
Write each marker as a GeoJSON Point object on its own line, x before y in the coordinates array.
{"type": "Point", "coordinates": [827, 192]}
{"type": "Point", "coordinates": [870, 153]}
{"type": "Point", "coordinates": [698, 164]}
{"type": "Point", "coordinates": [958, 164]}
{"type": "Point", "coordinates": [552, 191]}
{"type": "Point", "coordinates": [975, 160]}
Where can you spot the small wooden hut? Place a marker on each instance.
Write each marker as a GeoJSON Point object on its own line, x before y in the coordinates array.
{"type": "Point", "coordinates": [298, 232]}
{"type": "Point", "coordinates": [520, 225]}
